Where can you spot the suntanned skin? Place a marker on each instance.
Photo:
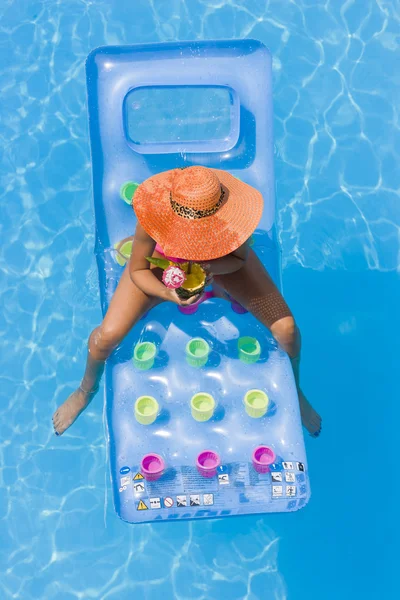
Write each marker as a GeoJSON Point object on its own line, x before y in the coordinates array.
{"type": "Point", "coordinates": [239, 274]}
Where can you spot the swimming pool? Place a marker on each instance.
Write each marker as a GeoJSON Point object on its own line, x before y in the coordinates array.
{"type": "Point", "coordinates": [337, 141]}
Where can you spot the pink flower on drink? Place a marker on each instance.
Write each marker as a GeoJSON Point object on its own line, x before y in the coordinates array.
{"type": "Point", "coordinates": [173, 277]}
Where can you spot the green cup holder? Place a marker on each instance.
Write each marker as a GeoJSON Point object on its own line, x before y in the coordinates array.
{"type": "Point", "coordinates": [144, 355]}
{"type": "Point", "coordinates": [127, 191]}
{"type": "Point", "coordinates": [146, 410]}
{"type": "Point", "coordinates": [197, 352]}
{"type": "Point", "coordinates": [249, 349]}
{"type": "Point", "coordinates": [256, 403]}
{"type": "Point", "coordinates": [202, 406]}
{"type": "Point", "coordinates": [123, 251]}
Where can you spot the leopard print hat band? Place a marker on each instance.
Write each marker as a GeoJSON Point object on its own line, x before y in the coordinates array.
{"type": "Point", "coordinates": [192, 213]}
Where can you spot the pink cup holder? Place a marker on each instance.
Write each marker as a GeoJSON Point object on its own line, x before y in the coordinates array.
{"type": "Point", "coordinates": [192, 308]}
{"type": "Point", "coordinates": [152, 467]}
{"type": "Point", "coordinates": [262, 458]}
{"type": "Point", "coordinates": [189, 310]}
{"type": "Point", "coordinates": [207, 463]}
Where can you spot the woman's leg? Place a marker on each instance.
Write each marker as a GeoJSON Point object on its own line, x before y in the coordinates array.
{"type": "Point", "coordinates": [127, 306]}
{"type": "Point", "coordinates": [254, 289]}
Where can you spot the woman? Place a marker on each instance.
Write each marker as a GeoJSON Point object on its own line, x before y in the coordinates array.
{"type": "Point", "coordinates": [206, 216]}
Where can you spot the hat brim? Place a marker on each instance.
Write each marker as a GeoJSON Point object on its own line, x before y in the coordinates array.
{"type": "Point", "coordinates": [202, 239]}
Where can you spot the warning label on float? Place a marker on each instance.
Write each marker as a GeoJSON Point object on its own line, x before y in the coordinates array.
{"type": "Point", "coordinates": [142, 506]}
{"type": "Point", "coordinates": [223, 478]}
{"type": "Point", "coordinates": [138, 487]}
{"type": "Point", "coordinates": [138, 476]}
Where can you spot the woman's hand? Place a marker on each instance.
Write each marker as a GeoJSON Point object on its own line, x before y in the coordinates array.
{"type": "Point", "coordinates": [172, 296]}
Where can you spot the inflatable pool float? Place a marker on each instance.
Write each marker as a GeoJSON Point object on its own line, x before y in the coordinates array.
{"type": "Point", "coordinates": [202, 410]}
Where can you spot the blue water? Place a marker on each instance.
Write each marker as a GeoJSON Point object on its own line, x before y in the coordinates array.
{"type": "Point", "coordinates": [337, 139]}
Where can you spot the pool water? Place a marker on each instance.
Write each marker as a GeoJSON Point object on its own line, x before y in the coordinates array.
{"type": "Point", "coordinates": [337, 149]}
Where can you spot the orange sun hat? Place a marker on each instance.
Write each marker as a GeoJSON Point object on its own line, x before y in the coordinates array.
{"type": "Point", "coordinates": [197, 213]}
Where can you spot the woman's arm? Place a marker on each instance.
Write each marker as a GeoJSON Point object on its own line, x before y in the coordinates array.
{"type": "Point", "coordinates": [229, 263]}
{"type": "Point", "coordinates": [139, 267]}
{"type": "Point", "coordinates": [141, 273]}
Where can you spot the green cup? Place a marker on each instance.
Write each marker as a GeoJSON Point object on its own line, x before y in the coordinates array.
{"type": "Point", "coordinates": [203, 406]}
{"type": "Point", "coordinates": [123, 252]}
{"type": "Point", "coordinates": [197, 351]}
{"type": "Point", "coordinates": [249, 349]}
{"type": "Point", "coordinates": [146, 410]}
{"type": "Point", "coordinates": [256, 403]}
{"type": "Point", "coordinates": [127, 191]}
{"type": "Point", "coordinates": [144, 355]}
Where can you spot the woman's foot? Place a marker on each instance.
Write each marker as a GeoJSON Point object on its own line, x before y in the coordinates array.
{"type": "Point", "coordinates": [68, 412]}
{"type": "Point", "coordinates": [309, 417]}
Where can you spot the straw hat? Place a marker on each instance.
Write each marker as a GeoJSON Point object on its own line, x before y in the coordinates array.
{"type": "Point", "coordinates": [197, 213]}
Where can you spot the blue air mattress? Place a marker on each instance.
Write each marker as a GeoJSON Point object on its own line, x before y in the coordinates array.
{"type": "Point", "coordinates": [153, 108]}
